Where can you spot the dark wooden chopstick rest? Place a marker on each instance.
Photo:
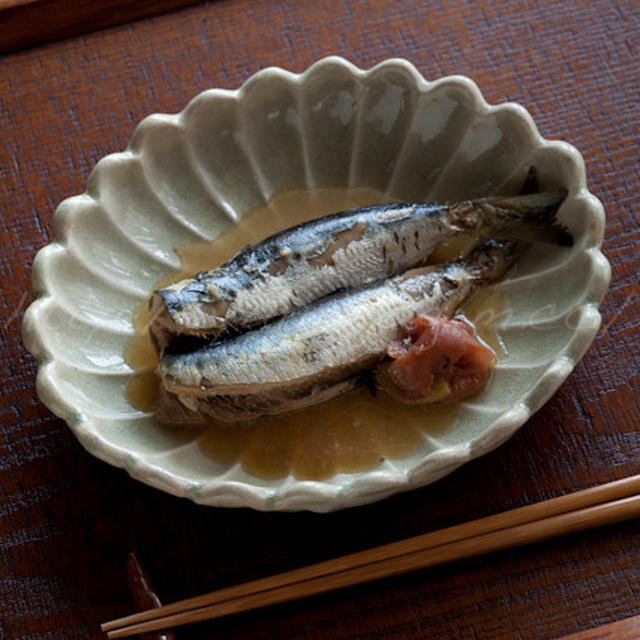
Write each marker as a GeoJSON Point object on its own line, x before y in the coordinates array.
{"type": "Point", "coordinates": [144, 595]}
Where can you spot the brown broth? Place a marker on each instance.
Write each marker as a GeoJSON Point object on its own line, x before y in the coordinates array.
{"type": "Point", "coordinates": [351, 433]}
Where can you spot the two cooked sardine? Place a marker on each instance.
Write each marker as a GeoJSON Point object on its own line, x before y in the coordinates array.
{"type": "Point", "coordinates": [318, 351]}
{"type": "Point", "coordinates": [326, 316]}
{"type": "Point", "coordinates": [299, 265]}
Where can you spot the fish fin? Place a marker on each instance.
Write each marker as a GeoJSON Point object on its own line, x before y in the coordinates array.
{"type": "Point", "coordinates": [530, 184]}
{"type": "Point", "coordinates": [367, 379]}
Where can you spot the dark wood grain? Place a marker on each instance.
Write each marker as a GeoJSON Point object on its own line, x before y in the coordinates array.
{"type": "Point", "coordinates": [68, 521]}
{"type": "Point", "coordinates": [30, 22]}
{"type": "Point", "coordinates": [627, 629]}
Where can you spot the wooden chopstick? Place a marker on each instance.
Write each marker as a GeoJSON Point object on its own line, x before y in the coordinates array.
{"type": "Point", "coordinates": [598, 506]}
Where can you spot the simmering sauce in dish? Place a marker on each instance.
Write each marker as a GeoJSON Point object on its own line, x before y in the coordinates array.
{"type": "Point", "coordinates": [351, 433]}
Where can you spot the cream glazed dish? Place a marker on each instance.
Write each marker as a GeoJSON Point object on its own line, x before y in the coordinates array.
{"type": "Point", "coordinates": [238, 165]}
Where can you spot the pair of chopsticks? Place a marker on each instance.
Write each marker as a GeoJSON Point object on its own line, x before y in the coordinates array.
{"type": "Point", "coordinates": [602, 505]}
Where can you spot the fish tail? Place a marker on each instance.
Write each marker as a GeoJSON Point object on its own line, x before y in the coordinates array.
{"type": "Point", "coordinates": [531, 217]}
{"type": "Point", "coordinates": [528, 217]}
{"type": "Point", "coordinates": [489, 260]}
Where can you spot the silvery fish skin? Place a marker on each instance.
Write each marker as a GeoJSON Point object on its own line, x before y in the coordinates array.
{"type": "Point", "coordinates": [320, 350]}
{"type": "Point", "coordinates": [299, 265]}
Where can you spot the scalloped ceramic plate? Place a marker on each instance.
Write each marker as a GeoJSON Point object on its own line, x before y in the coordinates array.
{"type": "Point", "coordinates": [189, 176]}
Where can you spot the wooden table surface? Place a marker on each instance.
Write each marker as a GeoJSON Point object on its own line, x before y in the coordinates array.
{"type": "Point", "coordinates": [67, 520]}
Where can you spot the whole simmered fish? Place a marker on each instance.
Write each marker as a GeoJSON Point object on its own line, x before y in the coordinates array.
{"type": "Point", "coordinates": [322, 349]}
{"type": "Point", "coordinates": [299, 265]}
